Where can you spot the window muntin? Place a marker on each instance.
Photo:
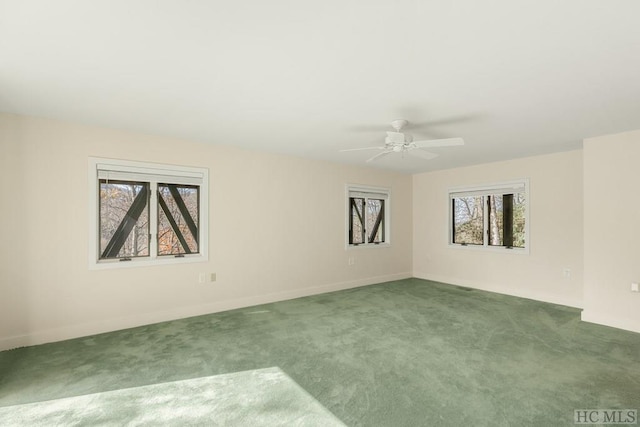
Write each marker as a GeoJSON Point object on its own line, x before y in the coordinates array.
{"type": "Point", "coordinates": [493, 216]}
{"type": "Point", "coordinates": [146, 213]}
{"type": "Point", "coordinates": [367, 216]}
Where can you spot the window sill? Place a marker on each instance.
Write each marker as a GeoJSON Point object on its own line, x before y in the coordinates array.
{"type": "Point", "coordinates": [141, 262]}
{"type": "Point", "coordinates": [368, 246]}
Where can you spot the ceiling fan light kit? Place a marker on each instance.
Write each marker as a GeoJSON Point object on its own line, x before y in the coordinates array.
{"type": "Point", "coordinates": [398, 142]}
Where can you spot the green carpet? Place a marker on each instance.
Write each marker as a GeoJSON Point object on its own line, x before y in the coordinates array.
{"type": "Point", "coordinates": [404, 353]}
{"type": "Point", "coordinates": [264, 397]}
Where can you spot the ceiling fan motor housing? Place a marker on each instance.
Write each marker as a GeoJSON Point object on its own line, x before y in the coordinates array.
{"type": "Point", "coordinates": [395, 138]}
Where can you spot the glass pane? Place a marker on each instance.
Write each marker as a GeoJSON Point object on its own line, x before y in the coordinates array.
{"type": "Point", "coordinates": [496, 220]}
{"type": "Point", "coordinates": [519, 200]}
{"type": "Point", "coordinates": [124, 219]}
{"type": "Point", "coordinates": [375, 220]}
{"type": "Point", "coordinates": [178, 219]}
{"type": "Point", "coordinates": [357, 211]}
{"type": "Point", "coordinates": [468, 220]}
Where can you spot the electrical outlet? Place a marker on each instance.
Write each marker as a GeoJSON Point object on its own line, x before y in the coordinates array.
{"type": "Point", "coordinates": [634, 287]}
{"type": "Point", "coordinates": [202, 277]}
{"type": "Point", "coordinates": [352, 260]}
{"type": "Point", "coordinates": [212, 277]}
{"type": "Point", "coordinates": [566, 273]}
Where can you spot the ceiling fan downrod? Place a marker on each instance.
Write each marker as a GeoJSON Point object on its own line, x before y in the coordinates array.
{"type": "Point", "coordinates": [398, 124]}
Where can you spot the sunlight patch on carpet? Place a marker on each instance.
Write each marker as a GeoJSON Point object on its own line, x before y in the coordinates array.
{"type": "Point", "coordinates": [261, 397]}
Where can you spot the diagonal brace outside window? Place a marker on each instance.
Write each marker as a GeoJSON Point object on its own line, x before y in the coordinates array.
{"type": "Point", "coordinates": [376, 225]}
{"type": "Point", "coordinates": [360, 213]}
{"type": "Point", "coordinates": [126, 225]}
{"type": "Point", "coordinates": [173, 223]}
{"type": "Point", "coordinates": [193, 228]}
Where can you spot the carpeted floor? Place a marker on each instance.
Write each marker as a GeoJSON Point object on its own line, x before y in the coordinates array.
{"type": "Point", "coordinates": [258, 398]}
{"type": "Point", "coordinates": [404, 353]}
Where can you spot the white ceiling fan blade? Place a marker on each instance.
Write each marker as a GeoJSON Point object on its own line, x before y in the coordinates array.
{"type": "Point", "coordinates": [445, 121]}
{"type": "Point", "coordinates": [447, 142]}
{"type": "Point", "coordinates": [426, 155]}
{"type": "Point", "coordinates": [364, 148]}
{"type": "Point", "coordinates": [377, 156]}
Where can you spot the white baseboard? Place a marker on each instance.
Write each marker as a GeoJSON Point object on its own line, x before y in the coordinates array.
{"type": "Point", "coordinates": [603, 319]}
{"type": "Point", "coordinates": [521, 293]}
{"type": "Point", "coordinates": [110, 325]}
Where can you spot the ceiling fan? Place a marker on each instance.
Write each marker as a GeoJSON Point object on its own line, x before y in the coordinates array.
{"type": "Point", "coordinates": [398, 142]}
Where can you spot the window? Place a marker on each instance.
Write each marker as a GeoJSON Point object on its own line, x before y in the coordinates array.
{"type": "Point", "coordinates": [493, 216]}
{"type": "Point", "coordinates": [145, 213]}
{"type": "Point", "coordinates": [368, 222]}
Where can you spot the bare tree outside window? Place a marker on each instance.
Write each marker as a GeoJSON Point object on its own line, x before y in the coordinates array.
{"type": "Point", "coordinates": [490, 219]}
{"type": "Point", "coordinates": [519, 203]}
{"type": "Point", "coordinates": [178, 219]}
{"type": "Point", "coordinates": [357, 223]}
{"type": "Point", "coordinates": [124, 219]}
{"type": "Point", "coordinates": [146, 213]}
{"type": "Point", "coordinates": [367, 217]}
{"type": "Point", "coordinates": [374, 221]}
{"type": "Point", "coordinates": [496, 220]}
{"type": "Point", "coordinates": [468, 220]}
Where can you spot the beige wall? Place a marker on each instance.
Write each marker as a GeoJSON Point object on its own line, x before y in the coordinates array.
{"type": "Point", "coordinates": [263, 249]}
{"type": "Point", "coordinates": [612, 230]}
{"type": "Point", "coordinates": [277, 231]}
{"type": "Point", "coordinates": [555, 187]}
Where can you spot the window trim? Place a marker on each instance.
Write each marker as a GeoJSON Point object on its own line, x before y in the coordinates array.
{"type": "Point", "coordinates": [385, 193]}
{"type": "Point", "coordinates": [146, 172]}
{"type": "Point", "coordinates": [490, 189]}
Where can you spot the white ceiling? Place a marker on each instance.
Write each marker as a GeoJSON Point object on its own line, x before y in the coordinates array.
{"type": "Point", "coordinates": [513, 78]}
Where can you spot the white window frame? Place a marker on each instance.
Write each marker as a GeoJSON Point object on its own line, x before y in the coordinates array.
{"type": "Point", "coordinates": [152, 173]}
{"type": "Point", "coordinates": [366, 191]}
{"type": "Point", "coordinates": [505, 187]}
